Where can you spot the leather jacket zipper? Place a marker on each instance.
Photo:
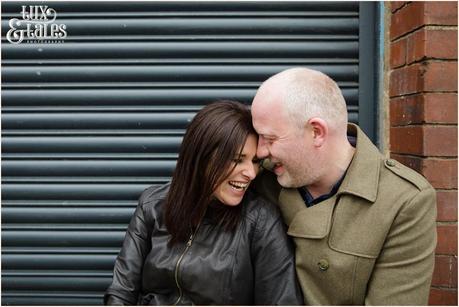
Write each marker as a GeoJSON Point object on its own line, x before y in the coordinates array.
{"type": "Point", "coordinates": [188, 245]}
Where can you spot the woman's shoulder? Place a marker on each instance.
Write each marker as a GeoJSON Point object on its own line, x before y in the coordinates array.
{"type": "Point", "coordinates": [257, 207]}
{"type": "Point", "coordinates": [154, 192]}
{"type": "Point", "coordinates": [153, 197]}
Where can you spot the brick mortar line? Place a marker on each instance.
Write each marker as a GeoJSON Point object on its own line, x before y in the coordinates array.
{"type": "Point", "coordinates": [430, 158]}
{"type": "Point", "coordinates": [424, 60]}
{"type": "Point", "coordinates": [450, 285]}
{"type": "Point", "coordinates": [443, 288]}
{"type": "Point", "coordinates": [426, 124]}
{"type": "Point", "coordinates": [424, 92]}
{"type": "Point", "coordinates": [449, 255]}
{"type": "Point", "coordinates": [417, 156]}
{"type": "Point", "coordinates": [437, 158]}
{"type": "Point", "coordinates": [427, 26]}
{"type": "Point", "coordinates": [443, 27]}
{"type": "Point", "coordinates": [400, 8]}
{"type": "Point", "coordinates": [427, 60]}
{"type": "Point", "coordinates": [446, 223]}
{"type": "Point", "coordinates": [404, 35]}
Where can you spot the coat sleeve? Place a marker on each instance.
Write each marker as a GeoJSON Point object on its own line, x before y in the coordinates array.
{"type": "Point", "coordinates": [273, 261]}
{"type": "Point", "coordinates": [403, 270]}
{"type": "Point", "coordinates": [127, 273]}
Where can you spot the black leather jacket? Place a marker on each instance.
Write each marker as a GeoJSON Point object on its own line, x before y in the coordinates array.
{"type": "Point", "coordinates": [254, 265]}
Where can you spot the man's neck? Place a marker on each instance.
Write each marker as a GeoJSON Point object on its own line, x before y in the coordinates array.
{"type": "Point", "coordinates": [337, 167]}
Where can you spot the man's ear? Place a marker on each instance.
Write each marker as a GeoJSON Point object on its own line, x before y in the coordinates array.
{"type": "Point", "coordinates": [319, 130]}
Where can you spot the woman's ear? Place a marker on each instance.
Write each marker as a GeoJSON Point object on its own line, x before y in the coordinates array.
{"type": "Point", "coordinates": [319, 130]}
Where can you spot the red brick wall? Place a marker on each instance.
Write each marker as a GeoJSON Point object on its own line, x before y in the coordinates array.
{"type": "Point", "coordinates": [423, 117]}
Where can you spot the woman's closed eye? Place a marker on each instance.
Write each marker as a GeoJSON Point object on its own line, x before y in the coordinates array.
{"type": "Point", "coordinates": [241, 160]}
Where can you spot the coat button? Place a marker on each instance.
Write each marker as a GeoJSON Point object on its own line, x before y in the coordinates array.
{"type": "Point", "coordinates": [390, 162]}
{"type": "Point", "coordinates": [323, 264]}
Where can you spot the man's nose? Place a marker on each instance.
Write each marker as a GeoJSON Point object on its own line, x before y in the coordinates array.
{"type": "Point", "coordinates": [262, 149]}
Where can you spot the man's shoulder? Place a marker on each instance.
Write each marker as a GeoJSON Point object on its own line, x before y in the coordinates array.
{"type": "Point", "coordinates": [392, 172]}
{"type": "Point", "coordinates": [397, 174]}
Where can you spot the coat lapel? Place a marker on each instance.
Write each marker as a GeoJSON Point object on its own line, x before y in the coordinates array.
{"type": "Point", "coordinates": [313, 223]}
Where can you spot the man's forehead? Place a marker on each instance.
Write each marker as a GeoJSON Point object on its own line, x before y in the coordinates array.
{"type": "Point", "coordinates": [265, 103]}
{"type": "Point", "coordinates": [267, 109]}
{"type": "Point", "coordinates": [268, 122]}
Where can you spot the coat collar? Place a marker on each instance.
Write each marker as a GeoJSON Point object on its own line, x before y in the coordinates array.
{"type": "Point", "coordinates": [362, 176]}
{"type": "Point", "coordinates": [361, 180]}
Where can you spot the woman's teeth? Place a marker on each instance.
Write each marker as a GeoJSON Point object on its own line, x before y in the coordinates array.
{"type": "Point", "coordinates": [238, 185]}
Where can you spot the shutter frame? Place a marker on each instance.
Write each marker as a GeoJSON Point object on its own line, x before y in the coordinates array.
{"type": "Point", "coordinates": [88, 124]}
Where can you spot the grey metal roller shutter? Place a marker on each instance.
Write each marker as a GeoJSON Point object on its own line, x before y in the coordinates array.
{"type": "Point", "coordinates": [89, 123]}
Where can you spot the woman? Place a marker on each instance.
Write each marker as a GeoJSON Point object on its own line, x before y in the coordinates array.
{"type": "Point", "coordinates": [205, 239]}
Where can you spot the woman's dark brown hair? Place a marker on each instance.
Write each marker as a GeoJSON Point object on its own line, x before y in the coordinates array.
{"type": "Point", "coordinates": [215, 136]}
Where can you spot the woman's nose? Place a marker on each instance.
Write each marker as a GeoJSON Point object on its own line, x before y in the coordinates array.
{"type": "Point", "coordinates": [250, 171]}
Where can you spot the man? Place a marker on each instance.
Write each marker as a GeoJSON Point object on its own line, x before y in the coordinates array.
{"type": "Point", "coordinates": [363, 226]}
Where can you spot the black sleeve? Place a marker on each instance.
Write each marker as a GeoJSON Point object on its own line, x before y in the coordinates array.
{"type": "Point", "coordinates": [274, 261]}
{"type": "Point", "coordinates": [127, 274]}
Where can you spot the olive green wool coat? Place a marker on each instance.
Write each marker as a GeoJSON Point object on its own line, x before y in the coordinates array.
{"type": "Point", "coordinates": [372, 243]}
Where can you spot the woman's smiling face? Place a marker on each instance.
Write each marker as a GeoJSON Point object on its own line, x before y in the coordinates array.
{"type": "Point", "coordinates": [231, 191]}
